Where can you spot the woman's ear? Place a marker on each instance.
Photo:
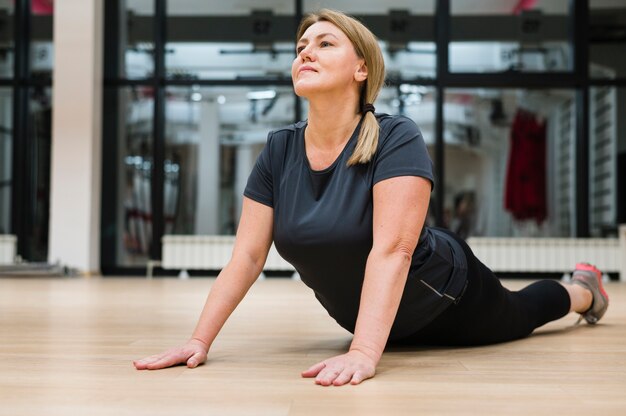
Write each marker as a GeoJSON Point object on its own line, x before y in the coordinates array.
{"type": "Point", "coordinates": [361, 73]}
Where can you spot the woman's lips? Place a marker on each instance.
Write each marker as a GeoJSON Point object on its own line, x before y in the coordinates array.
{"type": "Point", "coordinates": [306, 68]}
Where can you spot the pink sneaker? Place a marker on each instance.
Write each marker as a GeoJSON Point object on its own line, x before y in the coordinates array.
{"type": "Point", "coordinates": [589, 277]}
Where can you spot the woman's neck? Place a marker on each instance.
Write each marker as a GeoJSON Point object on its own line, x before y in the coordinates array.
{"type": "Point", "coordinates": [331, 123]}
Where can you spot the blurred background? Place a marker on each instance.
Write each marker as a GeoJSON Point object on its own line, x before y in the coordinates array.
{"type": "Point", "coordinates": [522, 104]}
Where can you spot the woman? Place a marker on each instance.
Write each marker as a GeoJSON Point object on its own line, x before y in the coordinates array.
{"type": "Point", "coordinates": [344, 195]}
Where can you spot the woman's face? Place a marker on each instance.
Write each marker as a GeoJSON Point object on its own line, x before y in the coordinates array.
{"type": "Point", "coordinates": [326, 62]}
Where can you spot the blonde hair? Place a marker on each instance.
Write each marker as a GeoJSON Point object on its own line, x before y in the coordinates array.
{"type": "Point", "coordinates": [366, 47]}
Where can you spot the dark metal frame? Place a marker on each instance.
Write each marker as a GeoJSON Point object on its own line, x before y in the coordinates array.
{"type": "Point", "coordinates": [158, 177]}
{"type": "Point", "coordinates": [577, 79]}
{"type": "Point", "coordinates": [23, 179]}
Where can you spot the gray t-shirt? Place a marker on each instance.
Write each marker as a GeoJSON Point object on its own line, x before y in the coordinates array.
{"type": "Point", "coordinates": [323, 222]}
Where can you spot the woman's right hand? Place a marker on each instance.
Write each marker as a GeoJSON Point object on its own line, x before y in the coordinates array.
{"type": "Point", "coordinates": [193, 353]}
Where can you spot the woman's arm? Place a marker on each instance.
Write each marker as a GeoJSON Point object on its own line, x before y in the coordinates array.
{"type": "Point", "coordinates": [254, 238]}
{"type": "Point", "coordinates": [400, 206]}
{"type": "Point", "coordinates": [253, 241]}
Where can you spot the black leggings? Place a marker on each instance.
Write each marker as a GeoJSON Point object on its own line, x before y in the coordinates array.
{"type": "Point", "coordinates": [489, 313]}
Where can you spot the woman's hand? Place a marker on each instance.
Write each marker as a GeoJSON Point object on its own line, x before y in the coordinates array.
{"type": "Point", "coordinates": [352, 367]}
{"type": "Point", "coordinates": [193, 353]}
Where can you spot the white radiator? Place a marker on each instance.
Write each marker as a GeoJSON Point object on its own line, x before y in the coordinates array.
{"type": "Point", "coordinates": [7, 249]}
{"type": "Point", "coordinates": [546, 254]}
{"type": "Point", "coordinates": [188, 252]}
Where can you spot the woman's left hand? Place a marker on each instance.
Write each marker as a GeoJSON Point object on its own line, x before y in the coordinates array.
{"type": "Point", "coordinates": [352, 367]}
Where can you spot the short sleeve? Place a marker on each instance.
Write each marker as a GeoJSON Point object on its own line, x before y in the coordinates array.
{"type": "Point", "coordinates": [260, 186]}
{"type": "Point", "coordinates": [402, 152]}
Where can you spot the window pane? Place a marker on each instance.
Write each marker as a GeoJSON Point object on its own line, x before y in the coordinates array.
{"type": "Point", "coordinates": [42, 48]}
{"type": "Point", "coordinates": [411, 61]}
{"type": "Point", "coordinates": [488, 36]}
{"type": "Point", "coordinates": [6, 158]}
{"type": "Point", "coordinates": [496, 7]}
{"type": "Point", "coordinates": [235, 60]}
{"type": "Point", "coordinates": [40, 130]}
{"type": "Point", "coordinates": [607, 39]}
{"type": "Point", "coordinates": [214, 136]}
{"type": "Point", "coordinates": [7, 12]}
{"type": "Point", "coordinates": [509, 162]}
{"type": "Point", "coordinates": [371, 7]}
{"type": "Point", "coordinates": [136, 39]}
{"type": "Point", "coordinates": [225, 40]}
{"type": "Point", "coordinates": [607, 148]}
{"type": "Point", "coordinates": [133, 230]}
{"type": "Point", "coordinates": [227, 8]}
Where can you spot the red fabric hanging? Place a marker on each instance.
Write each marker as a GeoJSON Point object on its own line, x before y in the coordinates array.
{"type": "Point", "coordinates": [42, 7]}
{"type": "Point", "coordinates": [525, 192]}
{"type": "Point", "coordinates": [524, 5]}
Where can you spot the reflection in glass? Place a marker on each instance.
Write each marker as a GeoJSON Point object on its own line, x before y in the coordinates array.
{"type": "Point", "coordinates": [6, 158]}
{"type": "Point", "coordinates": [7, 12]}
{"type": "Point", "coordinates": [40, 130]}
{"type": "Point", "coordinates": [488, 36]}
{"type": "Point", "coordinates": [415, 60]}
{"type": "Point", "coordinates": [509, 160]}
{"type": "Point", "coordinates": [490, 7]}
{"type": "Point", "coordinates": [41, 47]}
{"type": "Point", "coordinates": [42, 58]}
{"type": "Point", "coordinates": [218, 60]}
{"type": "Point", "coordinates": [213, 137]}
{"type": "Point", "coordinates": [509, 56]}
{"type": "Point", "coordinates": [605, 148]}
{"type": "Point", "coordinates": [229, 40]}
{"type": "Point", "coordinates": [607, 40]}
{"type": "Point", "coordinates": [371, 7]}
{"type": "Point", "coordinates": [136, 42]}
{"type": "Point", "coordinates": [134, 228]}
{"type": "Point", "coordinates": [227, 8]}
{"type": "Point", "coordinates": [606, 60]}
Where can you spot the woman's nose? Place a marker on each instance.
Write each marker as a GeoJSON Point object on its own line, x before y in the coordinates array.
{"type": "Point", "coordinates": [305, 54]}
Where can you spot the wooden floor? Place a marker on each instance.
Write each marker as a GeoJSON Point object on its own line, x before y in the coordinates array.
{"type": "Point", "coordinates": [66, 347]}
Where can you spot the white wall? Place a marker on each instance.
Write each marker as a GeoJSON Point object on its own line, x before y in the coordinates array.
{"type": "Point", "coordinates": [76, 135]}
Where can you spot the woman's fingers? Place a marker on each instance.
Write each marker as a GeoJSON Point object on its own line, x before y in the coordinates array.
{"type": "Point", "coordinates": [343, 369]}
{"type": "Point", "coordinates": [314, 370]}
{"type": "Point", "coordinates": [343, 378]}
{"type": "Point", "coordinates": [196, 359]}
{"type": "Point", "coordinates": [327, 376]}
{"type": "Point", "coordinates": [193, 353]}
{"type": "Point", "coordinates": [358, 377]}
{"type": "Point", "coordinates": [143, 363]}
{"type": "Point", "coordinates": [140, 364]}
{"type": "Point", "coordinates": [169, 360]}
{"type": "Point", "coordinates": [166, 359]}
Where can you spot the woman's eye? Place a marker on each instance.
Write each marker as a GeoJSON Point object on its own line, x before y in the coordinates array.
{"type": "Point", "coordinates": [324, 44]}
{"type": "Point", "coordinates": [299, 49]}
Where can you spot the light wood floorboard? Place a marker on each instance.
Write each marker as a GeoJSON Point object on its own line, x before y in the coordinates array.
{"type": "Point", "coordinates": [66, 347]}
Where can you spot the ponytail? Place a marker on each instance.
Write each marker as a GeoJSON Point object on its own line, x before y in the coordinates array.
{"type": "Point", "coordinates": [367, 143]}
